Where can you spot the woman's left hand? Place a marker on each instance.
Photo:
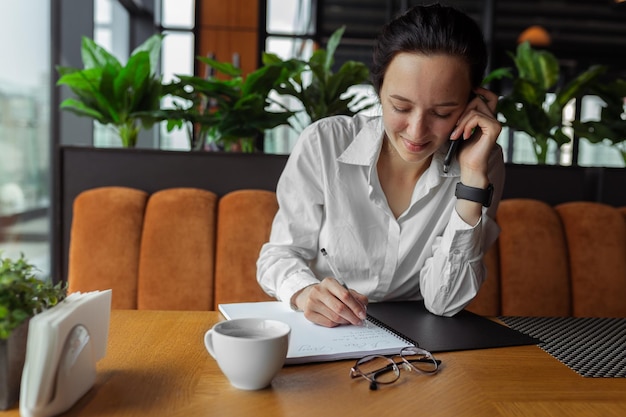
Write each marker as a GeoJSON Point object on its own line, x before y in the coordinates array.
{"type": "Point", "coordinates": [479, 129]}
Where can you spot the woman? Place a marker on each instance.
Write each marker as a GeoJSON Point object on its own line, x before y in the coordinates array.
{"type": "Point", "coordinates": [374, 192]}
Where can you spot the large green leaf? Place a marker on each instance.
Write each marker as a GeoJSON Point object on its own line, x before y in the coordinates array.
{"type": "Point", "coordinates": [498, 74]}
{"type": "Point", "coordinates": [538, 67]}
{"type": "Point", "coordinates": [260, 81]}
{"type": "Point", "coordinates": [87, 80]}
{"type": "Point", "coordinates": [579, 85]}
{"type": "Point", "coordinates": [351, 73]}
{"type": "Point", "coordinates": [152, 46]}
{"type": "Point", "coordinates": [79, 108]}
{"type": "Point", "coordinates": [527, 91]}
{"type": "Point", "coordinates": [132, 82]}
{"type": "Point", "coordinates": [150, 100]}
{"type": "Point", "coordinates": [317, 65]}
{"type": "Point", "coordinates": [95, 56]}
{"type": "Point", "coordinates": [86, 85]}
{"type": "Point", "coordinates": [269, 58]}
{"type": "Point", "coordinates": [331, 47]}
{"type": "Point", "coordinates": [107, 89]}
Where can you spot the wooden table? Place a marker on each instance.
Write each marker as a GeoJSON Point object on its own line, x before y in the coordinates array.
{"type": "Point", "coordinates": [156, 365]}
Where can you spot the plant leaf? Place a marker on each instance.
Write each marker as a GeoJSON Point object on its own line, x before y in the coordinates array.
{"type": "Point", "coordinates": [22, 294]}
{"type": "Point", "coordinates": [132, 82]}
{"type": "Point", "coordinates": [578, 86]}
{"type": "Point", "coordinates": [80, 109]}
{"type": "Point", "coordinates": [538, 67]}
{"type": "Point", "coordinates": [85, 84]}
{"type": "Point", "coordinates": [65, 70]}
{"type": "Point", "coordinates": [152, 46]}
{"type": "Point", "coordinates": [351, 73]}
{"type": "Point", "coordinates": [331, 47]}
{"type": "Point", "coordinates": [225, 68]}
{"type": "Point", "coordinates": [498, 74]}
{"type": "Point", "coordinates": [94, 56]}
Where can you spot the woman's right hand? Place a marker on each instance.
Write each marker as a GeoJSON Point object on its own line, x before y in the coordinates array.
{"type": "Point", "coordinates": [330, 304]}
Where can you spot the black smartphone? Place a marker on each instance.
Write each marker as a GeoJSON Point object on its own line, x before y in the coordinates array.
{"type": "Point", "coordinates": [454, 145]}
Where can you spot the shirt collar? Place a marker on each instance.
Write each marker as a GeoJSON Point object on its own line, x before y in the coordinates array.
{"type": "Point", "coordinates": [366, 145]}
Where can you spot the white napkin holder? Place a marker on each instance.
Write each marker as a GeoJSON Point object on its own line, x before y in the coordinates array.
{"type": "Point", "coordinates": [64, 344]}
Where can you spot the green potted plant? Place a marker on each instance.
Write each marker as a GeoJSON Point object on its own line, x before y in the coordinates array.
{"type": "Point", "coordinates": [114, 94]}
{"type": "Point", "coordinates": [526, 107]}
{"type": "Point", "coordinates": [327, 92]}
{"type": "Point", "coordinates": [611, 127]}
{"type": "Point", "coordinates": [22, 295]}
{"type": "Point", "coordinates": [229, 112]}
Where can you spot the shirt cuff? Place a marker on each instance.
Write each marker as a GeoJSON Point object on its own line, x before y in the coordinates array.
{"type": "Point", "coordinates": [459, 236]}
{"type": "Point", "coordinates": [294, 283]}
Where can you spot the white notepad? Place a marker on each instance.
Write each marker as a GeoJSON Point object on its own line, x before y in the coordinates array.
{"type": "Point", "coordinates": [312, 343]}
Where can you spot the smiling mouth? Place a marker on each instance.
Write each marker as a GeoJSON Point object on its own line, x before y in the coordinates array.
{"type": "Point", "coordinates": [413, 146]}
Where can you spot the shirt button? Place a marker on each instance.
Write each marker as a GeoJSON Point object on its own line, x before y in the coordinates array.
{"type": "Point", "coordinates": [456, 252]}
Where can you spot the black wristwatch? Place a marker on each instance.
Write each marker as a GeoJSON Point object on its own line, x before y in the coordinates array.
{"type": "Point", "coordinates": [478, 195]}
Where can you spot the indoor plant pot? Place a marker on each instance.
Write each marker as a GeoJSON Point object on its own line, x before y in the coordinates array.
{"type": "Point", "coordinates": [12, 356]}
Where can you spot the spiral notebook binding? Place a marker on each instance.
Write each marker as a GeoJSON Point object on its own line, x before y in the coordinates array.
{"type": "Point", "coordinates": [391, 330]}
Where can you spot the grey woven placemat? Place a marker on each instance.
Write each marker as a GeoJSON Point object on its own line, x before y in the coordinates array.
{"type": "Point", "coordinates": [593, 347]}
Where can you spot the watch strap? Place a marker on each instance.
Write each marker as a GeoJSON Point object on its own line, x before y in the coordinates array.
{"type": "Point", "coordinates": [478, 195]}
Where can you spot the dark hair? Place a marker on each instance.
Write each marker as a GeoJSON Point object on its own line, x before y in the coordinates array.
{"type": "Point", "coordinates": [431, 30]}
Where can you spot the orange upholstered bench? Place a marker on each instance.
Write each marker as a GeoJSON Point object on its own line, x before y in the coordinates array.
{"type": "Point", "coordinates": [188, 249]}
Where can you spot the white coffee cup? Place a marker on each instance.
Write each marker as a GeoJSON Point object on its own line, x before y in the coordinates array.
{"type": "Point", "coordinates": [250, 352]}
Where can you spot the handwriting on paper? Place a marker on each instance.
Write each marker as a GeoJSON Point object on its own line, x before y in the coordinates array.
{"type": "Point", "coordinates": [348, 338]}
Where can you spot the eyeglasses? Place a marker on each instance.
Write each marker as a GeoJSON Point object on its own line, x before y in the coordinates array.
{"type": "Point", "coordinates": [378, 369]}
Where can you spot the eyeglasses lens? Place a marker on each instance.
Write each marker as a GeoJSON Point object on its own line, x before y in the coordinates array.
{"type": "Point", "coordinates": [379, 369]}
{"type": "Point", "coordinates": [419, 360]}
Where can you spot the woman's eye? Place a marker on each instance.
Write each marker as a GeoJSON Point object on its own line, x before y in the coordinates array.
{"type": "Point", "coordinates": [400, 110]}
{"type": "Point", "coordinates": [442, 115]}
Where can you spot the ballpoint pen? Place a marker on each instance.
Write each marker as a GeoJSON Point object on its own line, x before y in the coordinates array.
{"type": "Point", "coordinates": [451, 150]}
{"type": "Point", "coordinates": [338, 276]}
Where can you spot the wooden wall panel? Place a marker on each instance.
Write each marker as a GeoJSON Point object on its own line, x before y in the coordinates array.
{"type": "Point", "coordinates": [230, 13]}
{"type": "Point", "coordinates": [223, 43]}
{"type": "Point", "coordinates": [229, 27]}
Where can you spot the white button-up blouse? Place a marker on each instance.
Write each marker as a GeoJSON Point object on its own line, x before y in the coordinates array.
{"type": "Point", "coordinates": [329, 197]}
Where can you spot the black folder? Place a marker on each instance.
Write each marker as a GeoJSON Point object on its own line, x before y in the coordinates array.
{"type": "Point", "coordinates": [464, 331]}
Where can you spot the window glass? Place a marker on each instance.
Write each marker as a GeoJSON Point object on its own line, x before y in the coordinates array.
{"type": "Point", "coordinates": [178, 13]}
{"type": "Point", "coordinates": [103, 13]}
{"type": "Point", "coordinates": [24, 132]}
{"type": "Point", "coordinates": [177, 57]}
{"type": "Point", "coordinates": [295, 17]}
{"type": "Point", "coordinates": [111, 31]}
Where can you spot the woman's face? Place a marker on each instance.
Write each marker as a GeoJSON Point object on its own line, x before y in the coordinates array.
{"type": "Point", "coordinates": [422, 98]}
